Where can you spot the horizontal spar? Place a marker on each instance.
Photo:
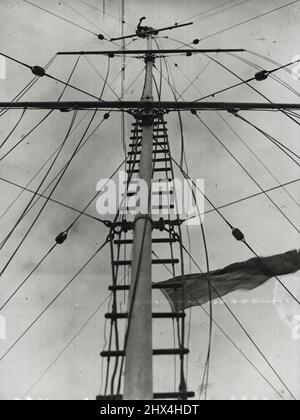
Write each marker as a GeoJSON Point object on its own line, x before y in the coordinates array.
{"type": "Point", "coordinates": [151, 52]}
{"type": "Point", "coordinates": [172, 106]}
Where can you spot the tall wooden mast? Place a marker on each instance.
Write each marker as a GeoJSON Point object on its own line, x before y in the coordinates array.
{"type": "Point", "coordinates": [138, 368]}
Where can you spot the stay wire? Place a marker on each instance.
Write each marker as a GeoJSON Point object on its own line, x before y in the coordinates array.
{"type": "Point", "coordinates": [48, 171]}
{"type": "Point", "coordinates": [236, 75]}
{"type": "Point", "coordinates": [66, 85]}
{"type": "Point", "coordinates": [67, 230]}
{"type": "Point", "coordinates": [249, 20]}
{"type": "Point", "coordinates": [48, 198]}
{"type": "Point", "coordinates": [26, 187]}
{"type": "Point", "coordinates": [248, 174]}
{"type": "Point", "coordinates": [13, 129]}
{"type": "Point", "coordinates": [39, 213]}
{"type": "Point", "coordinates": [52, 302]}
{"type": "Point", "coordinates": [243, 141]}
{"type": "Point", "coordinates": [276, 142]}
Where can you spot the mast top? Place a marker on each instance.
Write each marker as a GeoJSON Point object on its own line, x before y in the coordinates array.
{"type": "Point", "coordinates": [146, 31]}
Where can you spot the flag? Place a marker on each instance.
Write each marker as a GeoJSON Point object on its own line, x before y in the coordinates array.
{"type": "Point", "coordinates": [246, 275]}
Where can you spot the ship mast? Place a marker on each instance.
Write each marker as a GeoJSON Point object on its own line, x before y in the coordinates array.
{"type": "Point", "coordinates": [138, 368]}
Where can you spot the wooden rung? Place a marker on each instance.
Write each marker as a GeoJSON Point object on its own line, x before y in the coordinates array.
{"type": "Point", "coordinates": [157, 315]}
{"type": "Point", "coordinates": [167, 159]}
{"type": "Point", "coordinates": [164, 207]}
{"type": "Point", "coordinates": [156, 396]}
{"type": "Point", "coordinates": [162, 169]}
{"type": "Point", "coordinates": [125, 287]}
{"type": "Point", "coordinates": [154, 241]}
{"type": "Point", "coordinates": [154, 262]}
{"type": "Point", "coordinates": [139, 130]}
{"type": "Point", "coordinates": [136, 171]}
{"type": "Point", "coordinates": [161, 160]}
{"type": "Point", "coordinates": [155, 352]}
{"type": "Point", "coordinates": [157, 143]}
{"type": "Point", "coordinates": [155, 136]}
{"type": "Point", "coordinates": [159, 151]}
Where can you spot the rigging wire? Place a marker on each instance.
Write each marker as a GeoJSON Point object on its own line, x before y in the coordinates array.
{"type": "Point", "coordinates": [41, 195]}
{"type": "Point", "coordinates": [27, 88]}
{"type": "Point", "coordinates": [213, 95]}
{"type": "Point", "coordinates": [53, 301]}
{"type": "Point", "coordinates": [41, 210]}
{"type": "Point", "coordinates": [83, 144]}
{"type": "Point", "coordinates": [26, 187]}
{"type": "Point", "coordinates": [269, 60]}
{"type": "Point", "coordinates": [286, 150]}
{"type": "Point", "coordinates": [237, 76]}
{"type": "Point", "coordinates": [207, 11]}
{"type": "Point", "coordinates": [247, 173]}
{"type": "Point", "coordinates": [57, 154]}
{"type": "Point", "coordinates": [66, 85]}
{"type": "Point", "coordinates": [59, 179]}
{"type": "Point", "coordinates": [13, 129]}
{"type": "Point", "coordinates": [107, 14]}
{"type": "Point", "coordinates": [62, 174]}
{"type": "Point", "coordinates": [240, 138]}
{"type": "Point", "coordinates": [253, 196]}
{"type": "Point", "coordinates": [66, 206]}
{"type": "Point", "coordinates": [67, 230]}
{"type": "Point", "coordinates": [249, 20]}
{"type": "Point", "coordinates": [70, 22]}
{"type": "Point", "coordinates": [276, 78]}
{"type": "Point", "coordinates": [80, 14]}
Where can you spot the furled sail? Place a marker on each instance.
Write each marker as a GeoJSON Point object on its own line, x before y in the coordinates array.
{"type": "Point", "coordinates": [246, 275]}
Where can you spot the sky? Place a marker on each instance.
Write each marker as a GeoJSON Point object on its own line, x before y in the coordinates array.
{"type": "Point", "coordinates": [34, 37]}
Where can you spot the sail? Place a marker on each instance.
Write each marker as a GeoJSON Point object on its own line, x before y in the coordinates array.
{"type": "Point", "coordinates": [246, 275]}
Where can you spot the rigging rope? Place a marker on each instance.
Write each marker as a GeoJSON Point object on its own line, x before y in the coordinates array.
{"type": "Point", "coordinates": [13, 129]}
{"type": "Point", "coordinates": [59, 150]}
{"type": "Point", "coordinates": [192, 83]}
{"type": "Point", "coordinates": [40, 212]}
{"type": "Point", "coordinates": [69, 21]}
{"type": "Point", "coordinates": [67, 230]}
{"type": "Point", "coordinates": [52, 301]}
{"type": "Point", "coordinates": [249, 20]}
{"type": "Point", "coordinates": [248, 173]}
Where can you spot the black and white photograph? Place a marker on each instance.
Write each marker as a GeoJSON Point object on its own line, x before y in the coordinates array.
{"type": "Point", "coordinates": [149, 203]}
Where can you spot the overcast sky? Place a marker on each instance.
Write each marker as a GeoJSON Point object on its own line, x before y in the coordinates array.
{"type": "Point", "coordinates": [33, 37]}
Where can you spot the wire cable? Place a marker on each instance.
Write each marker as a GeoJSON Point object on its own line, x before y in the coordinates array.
{"type": "Point", "coordinates": [249, 20]}
{"type": "Point", "coordinates": [59, 150]}
{"type": "Point", "coordinates": [247, 173]}
{"type": "Point", "coordinates": [240, 138]}
{"type": "Point", "coordinates": [14, 129]}
{"type": "Point", "coordinates": [67, 230]}
{"type": "Point", "coordinates": [62, 18]}
{"type": "Point", "coordinates": [41, 210]}
{"type": "Point", "coordinates": [52, 302]}
{"type": "Point", "coordinates": [276, 142]}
